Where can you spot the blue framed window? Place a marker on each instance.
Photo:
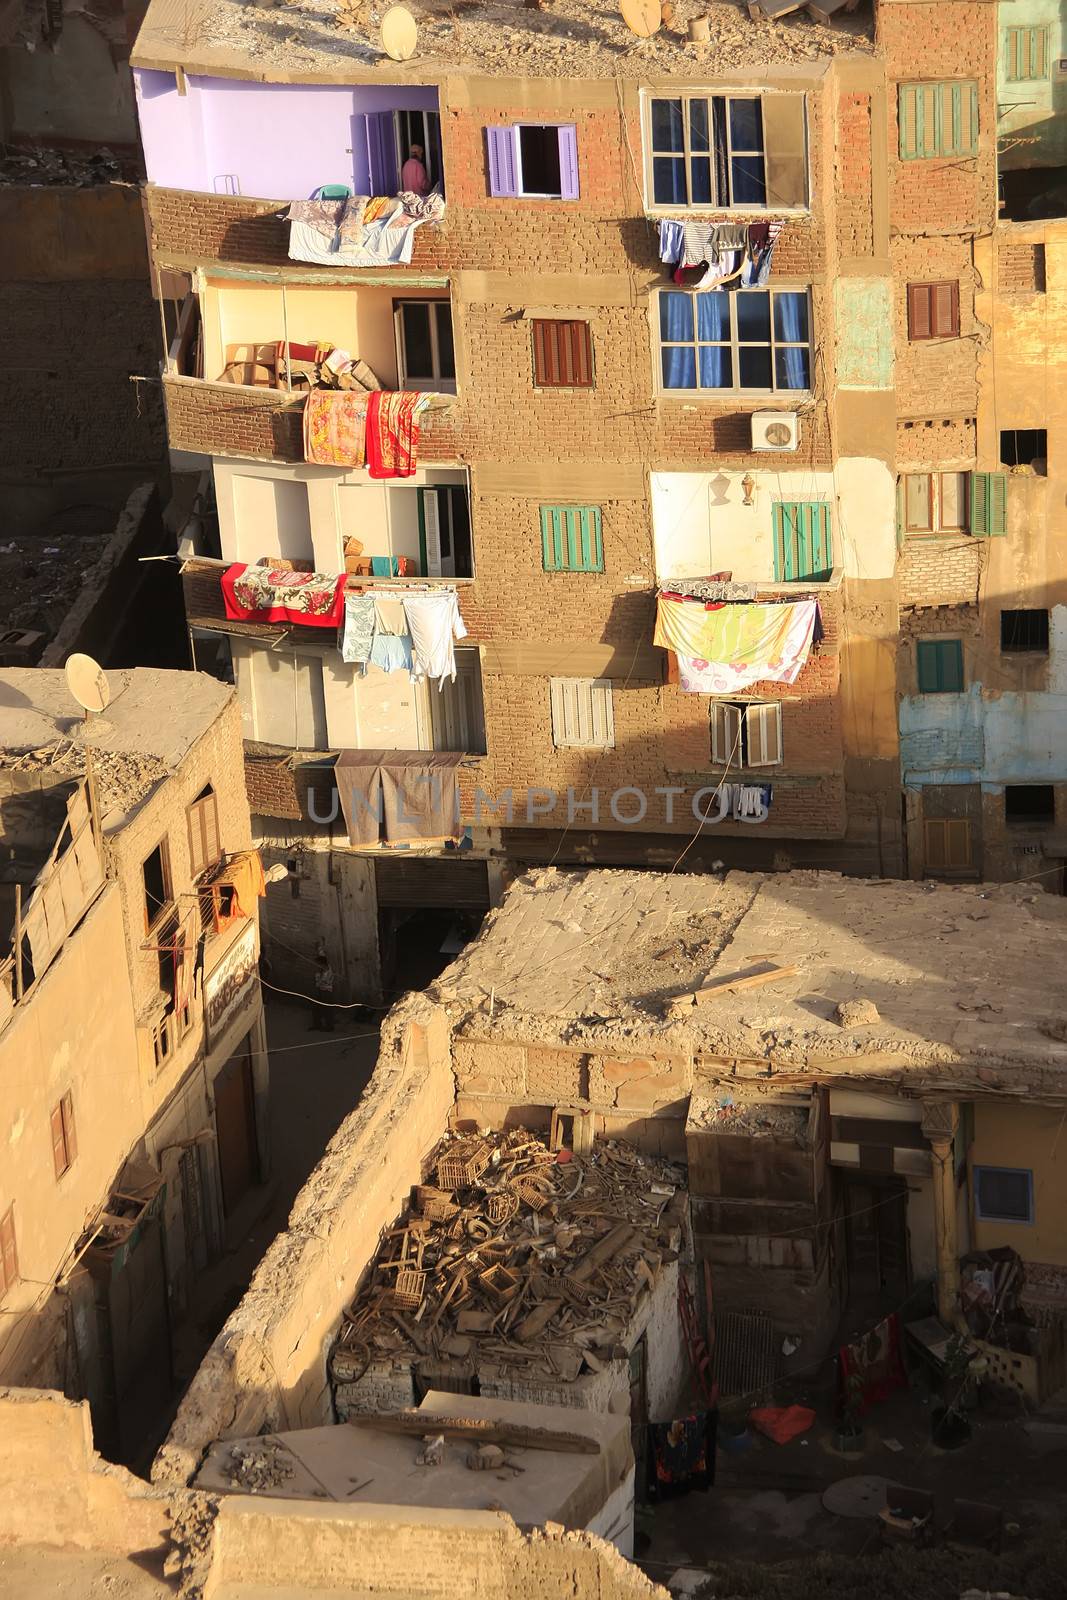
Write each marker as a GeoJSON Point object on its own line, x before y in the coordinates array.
{"type": "Point", "coordinates": [1004, 1194]}
{"type": "Point", "coordinates": [753, 340]}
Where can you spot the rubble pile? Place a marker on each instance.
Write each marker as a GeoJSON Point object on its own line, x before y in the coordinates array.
{"type": "Point", "coordinates": [258, 1465]}
{"type": "Point", "coordinates": [530, 1259]}
{"type": "Point", "coordinates": [44, 166]}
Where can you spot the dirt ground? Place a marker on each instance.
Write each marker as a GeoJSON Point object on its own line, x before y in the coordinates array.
{"type": "Point", "coordinates": [766, 1506]}
{"type": "Point", "coordinates": [37, 1572]}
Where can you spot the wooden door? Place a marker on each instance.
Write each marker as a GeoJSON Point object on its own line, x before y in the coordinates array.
{"type": "Point", "coordinates": [235, 1129]}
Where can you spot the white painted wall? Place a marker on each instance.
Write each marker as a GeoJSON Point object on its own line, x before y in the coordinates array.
{"type": "Point", "coordinates": [700, 524]}
{"type": "Point", "coordinates": [310, 699]}
{"type": "Point", "coordinates": [305, 513]}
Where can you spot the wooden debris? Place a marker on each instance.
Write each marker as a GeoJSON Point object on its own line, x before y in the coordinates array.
{"type": "Point", "coordinates": [482, 1430]}
{"type": "Point", "coordinates": [511, 1259]}
{"type": "Point", "coordinates": [752, 978]}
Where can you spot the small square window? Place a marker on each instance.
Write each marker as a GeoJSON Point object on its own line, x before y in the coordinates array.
{"type": "Point", "coordinates": [562, 354]}
{"type": "Point", "coordinates": [583, 717]}
{"type": "Point", "coordinates": [933, 310]}
{"type": "Point", "coordinates": [939, 665]}
{"type": "Point", "coordinates": [1024, 631]}
{"type": "Point", "coordinates": [1023, 447]}
{"type": "Point", "coordinates": [1004, 1194]}
{"type": "Point", "coordinates": [1026, 803]}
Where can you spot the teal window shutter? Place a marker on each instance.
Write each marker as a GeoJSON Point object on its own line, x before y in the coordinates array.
{"type": "Point", "coordinates": [937, 119]}
{"type": "Point", "coordinates": [989, 504]}
{"type": "Point", "coordinates": [803, 545]}
{"type": "Point", "coordinates": [571, 539]}
{"type": "Point", "coordinates": [940, 665]}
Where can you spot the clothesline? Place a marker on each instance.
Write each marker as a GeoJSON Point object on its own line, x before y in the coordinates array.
{"type": "Point", "coordinates": [729, 253]}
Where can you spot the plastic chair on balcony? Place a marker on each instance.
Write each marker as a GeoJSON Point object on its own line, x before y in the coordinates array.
{"type": "Point", "coordinates": [333, 191]}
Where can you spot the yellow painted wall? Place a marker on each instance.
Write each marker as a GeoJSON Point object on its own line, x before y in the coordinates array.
{"type": "Point", "coordinates": [1008, 1135]}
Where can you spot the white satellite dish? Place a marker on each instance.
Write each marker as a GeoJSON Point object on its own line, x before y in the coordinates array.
{"type": "Point", "coordinates": [399, 33]}
{"type": "Point", "coordinates": [87, 682]}
{"type": "Point", "coordinates": [642, 17]}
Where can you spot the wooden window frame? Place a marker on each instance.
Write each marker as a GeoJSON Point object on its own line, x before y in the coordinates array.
{"type": "Point", "coordinates": [200, 860]}
{"type": "Point", "coordinates": [573, 368]}
{"type": "Point", "coordinates": [732, 737]}
{"type": "Point", "coordinates": [440, 382]}
{"type": "Point", "coordinates": [569, 531]}
{"type": "Point", "coordinates": [986, 1216]}
{"type": "Point", "coordinates": [735, 344]}
{"type": "Point", "coordinates": [933, 310]}
{"type": "Point", "coordinates": [557, 689]}
{"type": "Point", "coordinates": [924, 131]}
{"type": "Point", "coordinates": [504, 161]}
{"type": "Point", "coordinates": [168, 884]}
{"type": "Point", "coordinates": [931, 649]}
{"type": "Point", "coordinates": [64, 1135]}
{"type": "Point", "coordinates": [788, 527]}
{"type": "Point", "coordinates": [771, 153]}
{"type": "Point", "coordinates": [9, 1253]}
{"type": "Point", "coordinates": [1030, 41]}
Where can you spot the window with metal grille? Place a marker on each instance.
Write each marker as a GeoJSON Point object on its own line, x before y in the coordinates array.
{"type": "Point", "coordinates": [571, 539]}
{"type": "Point", "coordinates": [746, 733]}
{"type": "Point", "coordinates": [726, 150]}
{"type": "Point", "coordinates": [754, 340]}
{"type": "Point", "coordinates": [947, 845]}
{"type": "Point", "coordinates": [1023, 631]}
{"type": "Point", "coordinates": [1023, 447]}
{"type": "Point", "coordinates": [203, 819]}
{"type": "Point", "coordinates": [64, 1136]}
{"type": "Point", "coordinates": [1026, 803]}
{"type": "Point", "coordinates": [933, 310]}
{"type": "Point", "coordinates": [1025, 54]}
{"type": "Point", "coordinates": [1004, 1194]}
{"type": "Point", "coordinates": [533, 160]}
{"type": "Point", "coordinates": [939, 665]}
{"type": "Point", "coordinates": [934, 502]}
{"type": "Point", "coordinates": [803, 545]}
{"type": "Point", "coordinates": [583, 717]}
{"type": "Point", "coordinates": [562, 354]}
{"type": "Point", "coordinates": [426, 357]}
{"type": "Point", "coordinates": [937, 119]}
{"type": "Point", "coordinates": [9, 1257]}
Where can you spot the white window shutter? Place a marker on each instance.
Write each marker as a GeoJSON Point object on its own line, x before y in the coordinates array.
{"type": "Point", "coordinates": [431, 522]}
{"type": "Point", "coordinates": [725, 733]}
{"type": "Point", "coordinates": [603, 715]}
{"type": "Point", "coordinates": [763, 724]}
{"type": "Point", "coordinates": [582, 713]}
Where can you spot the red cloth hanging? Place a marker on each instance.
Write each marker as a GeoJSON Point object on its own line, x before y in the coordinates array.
{"type": "Point", "coordinates": [392, 433]}
{"type": "Point", "coordinates": [273, 594]}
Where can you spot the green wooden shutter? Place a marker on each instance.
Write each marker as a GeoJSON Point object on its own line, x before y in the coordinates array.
{"type": "Point", "coordinates": [939, 663]}
{"type": "Point", "coordinates": [988, 504]}
{"type": "Point", "coordinates": [571, 539]}
{"type": "Point", "coordinates": [1026, 54]}
{"type": "Point", "coordinates": [803, 546]}
{"type": "Point", "coordinates": [937, 119]}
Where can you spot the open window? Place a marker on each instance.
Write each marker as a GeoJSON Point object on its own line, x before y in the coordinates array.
{"type": "Point", "coordinates": [384, 141]}
{"type": "Point", "coordinates": [746, 733]}
{"type": "Point", "coordinates": [155, 874]}
{"type": "Point", "coordinates": [533, 161]}
{"type": "Point", "coordinates": [1024, 632]}
{"type": "Point", "coordinates": [425, 351]}
{"type": "Point", "coordinates": [935, 502]}
{"type": "Point", "coordinates": [1029, 804]}
{"type": "Point", "coordinates": [742, 151]}
{"type": "Point", "coordinates": [445, 531]}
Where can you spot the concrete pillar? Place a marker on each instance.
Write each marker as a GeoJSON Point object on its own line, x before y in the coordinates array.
{"type": "Point", "coordinates": [940, 1120]}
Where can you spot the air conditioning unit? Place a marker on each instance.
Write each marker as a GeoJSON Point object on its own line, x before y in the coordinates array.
{"type": "Point", "coordinates": [775, 430]}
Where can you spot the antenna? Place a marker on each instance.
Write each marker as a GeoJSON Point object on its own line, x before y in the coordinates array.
{"type": "Point", "coordinates": [399, 33]}
{"type": "Point", "coordinates": [87, 682]}
{"type": "Point", "coordinates": [642, 17]}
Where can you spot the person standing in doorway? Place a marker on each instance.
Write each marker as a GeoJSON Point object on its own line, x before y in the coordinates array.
{"type": "Point", "coordinates": [413, 174]}
{"type": "Point", "coordinates": [322, 1009]}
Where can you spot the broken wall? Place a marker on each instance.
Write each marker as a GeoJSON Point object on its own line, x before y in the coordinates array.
{"type": "Point", "coordinates": [267, 1367]}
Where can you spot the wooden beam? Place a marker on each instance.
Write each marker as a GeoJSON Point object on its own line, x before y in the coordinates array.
{"type": "Point", "coordinates": [481, 1430]}
{"type": "Point", "coordinates": [751, 978]}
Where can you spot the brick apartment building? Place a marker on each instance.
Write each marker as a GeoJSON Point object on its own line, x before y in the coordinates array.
{"type": "Point", "coordinates": [133, 1064]}
{"type": "Point", "coordinates": [609, 433]}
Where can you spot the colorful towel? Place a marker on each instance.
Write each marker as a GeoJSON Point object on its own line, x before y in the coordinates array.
{"type": "Point", "coordinates": [357, 632]}
{"type": "Point", "coordinates": [263, 593]}
{"type": "Point", "coordinates": [730, 647]}
{"type": "Point", "coordinates": [335, 428]}
{"type": "Point", "coordinates": [393, 432]}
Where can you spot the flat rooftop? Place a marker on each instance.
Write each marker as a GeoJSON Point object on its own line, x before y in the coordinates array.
{"type": "Point", "coordinates": [152, 721]}
{"type": "Point", "coordinates": [967, 979]}
{"type": "Point", "coordinates": [332, 41]}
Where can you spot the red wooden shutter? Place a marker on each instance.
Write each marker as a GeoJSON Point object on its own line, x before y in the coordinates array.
{"type": "Point", "coordinates": [563, 354]}
{"type": "Point", "coordinates": [66, 1105]}
{"type": "Point", "coordinates": [9, 1260]}
{"type": "Point", "coordinates": [919, 311]}
{"type": "Point", "coordinates": [945, 317]}
{"type": "Point", "coordinates": [59, 1142]}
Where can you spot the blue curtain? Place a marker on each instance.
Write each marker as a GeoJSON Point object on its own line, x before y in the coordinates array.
{"type": "Point", "coordinates": [676, 323]}
{"type": "Point", "coordinates": [791, 322]}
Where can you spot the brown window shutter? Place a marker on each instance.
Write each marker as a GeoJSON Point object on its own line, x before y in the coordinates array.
{"type": "Point", "coordinates": [919, 311]}
{"type": "Point", "coordinates": [583, 355]}
{"type": "Point", "coordinates": [9, 1260]}
{"type": "Point", "coordinates": [212, 850]}
{"type": "Point", "coordinates": [196, 841]}
{"type": "Point", "coordinates": [563, 354]}
{"type": "Point", "coordinates": [59, 1142]}
{"type": "Point", "coordinates": [69, 1131]}
{"type": "Point", "coordinates": [945, 317]}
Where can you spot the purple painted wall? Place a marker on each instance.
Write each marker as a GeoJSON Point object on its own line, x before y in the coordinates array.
{"type": "Point", "coordinates": [269, 140]}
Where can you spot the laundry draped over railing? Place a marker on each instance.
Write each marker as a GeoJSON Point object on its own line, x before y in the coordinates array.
{"type": "Point", "coordinates": [723, 648]}
{"type": "Point", "coordinates": [723, 254]}
{"type": "Point", "coordinates": [265, 593]}
{"type": "Point", "coordinates": [360, 231]}
{"type": "Point", "coordinates": [398, 796]}
{"type": "Point", "coordinates": [379, 430]}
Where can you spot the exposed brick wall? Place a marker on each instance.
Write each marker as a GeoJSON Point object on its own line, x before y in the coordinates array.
{"type": "Point", "coordinates": [1021, 269]}
{"type": "Point", "coordinates": [69, 351]}
{"type": "Point", "coordinates": [855, 217]}
{"type": "Point", "coordinates": [270, 784]}
{"type": "Point", "coordinates": [936, 441]}
{"type": "Point", "coordinates": [942, 372]}
{"type": "Point", "coordinates": [940, 572]}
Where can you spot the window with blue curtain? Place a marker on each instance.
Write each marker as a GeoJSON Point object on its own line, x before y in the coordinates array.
{"type": "Point", "coordinates": [708, 150]}
{"type": "Point", "coordinates": [750, 339]}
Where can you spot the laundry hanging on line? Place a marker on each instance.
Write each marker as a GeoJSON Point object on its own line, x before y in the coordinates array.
{"type": "Point", "coordinates": [265, 593]}
{"type": "Point", "coordinates": [726, 254]}
{"type": "Point", "coordinates": [725, 648]}
{"type": "Point", "coordinates": [434, 623]}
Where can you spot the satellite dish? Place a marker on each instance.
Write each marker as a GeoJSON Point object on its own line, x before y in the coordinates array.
{"type": "Point", "coordinates": [87, 683]}
{"type": "Point", "coordinates": [642, 17]}
{"type": "Point", "coordinates": [399, 33]}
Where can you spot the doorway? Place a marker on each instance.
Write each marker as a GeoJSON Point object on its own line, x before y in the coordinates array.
{"type": "Point", "coordinates": [235, 1130]}
{"type": "Point", "coordinates": [875, 1210]}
